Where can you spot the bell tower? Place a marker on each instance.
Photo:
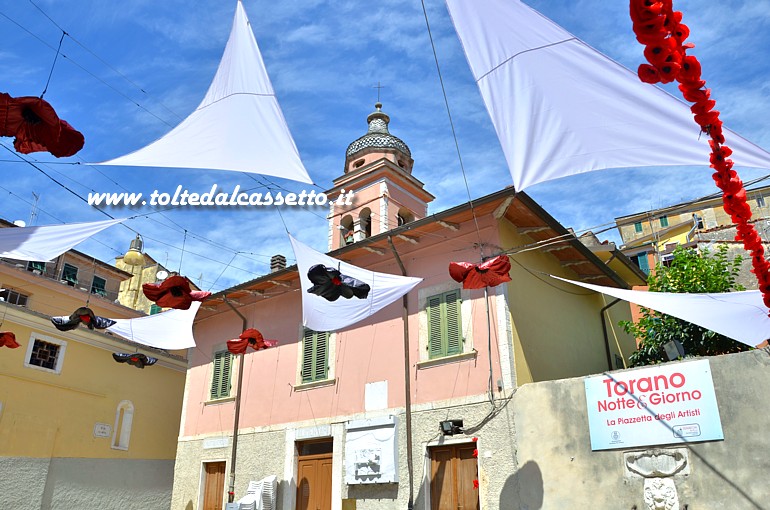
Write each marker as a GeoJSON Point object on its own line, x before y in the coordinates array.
{"type": "Point", "coordinates": [377, 191]}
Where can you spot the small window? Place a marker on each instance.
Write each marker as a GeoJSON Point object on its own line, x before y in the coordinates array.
{"type": "Point", "coordinates": [760, 201]}
{"type": "Point", "coordinates": [664, 221]}
{"type": "Point", "coordinates": [36, 267]}
{"type": "Point", "coordinates": [444, 324]}
{"type": "Point", "coordinates": [638, 227]}
{"type": "Point", "coordinates": [124, 417]}
{"type": "Point", "coordinates": [222, 372]}
{"type": "Point", "coordinates": [13, 297]}
{"type": "Point", "coordinates": [45, 353]}
{"type": "Point", "coordinates": [315, 356]}
{"type": "Point", "coordinates": [698, 221]}
{"type": "Point", "coordinates": [98, 286]}
{"type": "Point", "coordinates": [359, 163]}
{"type": "Point", "coordinates": [70, 274]}
{"type": "Point", "coordinates": [155, 309]}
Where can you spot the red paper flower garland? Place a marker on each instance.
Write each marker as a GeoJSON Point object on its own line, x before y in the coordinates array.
{"type": "Point", "coordinates": [660, 29]}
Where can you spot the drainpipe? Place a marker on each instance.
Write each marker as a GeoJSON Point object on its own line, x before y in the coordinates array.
{"type": "Point", "coordinates": [407, 382]}
{"type": "Point", "coordinates": [604, 330]}
{"type": "Point", "coordinates": [231, 489]}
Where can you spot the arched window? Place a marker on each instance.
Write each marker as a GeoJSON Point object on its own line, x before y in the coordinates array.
{"type": "Point", "coordinates": [365, 220]}
{"type": "Point", "coordinates": [346, 230]}
{"type": "Point", "coordinates": [404, 216]}
{"type": "Point", "coordinates": [121, 433]}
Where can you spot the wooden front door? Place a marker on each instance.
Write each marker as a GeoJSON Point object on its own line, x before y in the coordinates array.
{"type": "Point", "coordinates": [314, 476]}
{"type": "Point", "coordinates": [453, 469]}
{"type": "Point", "coordinates": [213, 485]}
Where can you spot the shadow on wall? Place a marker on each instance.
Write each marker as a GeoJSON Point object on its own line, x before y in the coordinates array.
{"type": "Point", "coordinates": [373, 491]}
{"type": "Point", "coordinates": [189, 506]}
{"type": "Point", "coordinates": [526, 485]}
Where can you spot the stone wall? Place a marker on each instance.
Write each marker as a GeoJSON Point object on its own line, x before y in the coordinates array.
{"type": "Point", "coordinates": [554, 447]}
{"type": "Point", "coordinates": [85, 484]}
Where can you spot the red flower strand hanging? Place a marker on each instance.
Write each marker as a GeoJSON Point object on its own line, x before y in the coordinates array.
{"type": "Point", "coordinates": [660, 29]}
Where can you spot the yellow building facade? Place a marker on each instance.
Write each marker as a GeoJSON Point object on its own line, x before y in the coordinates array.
{"type": "Point", "coordinates": [77, 429]}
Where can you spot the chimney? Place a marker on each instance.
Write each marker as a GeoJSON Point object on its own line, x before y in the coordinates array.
{"type": "Point", "coordinates": [277, 262]}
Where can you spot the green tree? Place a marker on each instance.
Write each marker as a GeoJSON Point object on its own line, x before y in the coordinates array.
{"type": "Point", "coordinates": [690, 272]}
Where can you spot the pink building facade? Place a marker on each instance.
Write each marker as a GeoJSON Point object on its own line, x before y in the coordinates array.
{"type": "Point", "coordinates": [353, 418]}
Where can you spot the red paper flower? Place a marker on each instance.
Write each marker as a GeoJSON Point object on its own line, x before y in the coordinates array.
{"type": "Point", "coordinates": [476, 452]}
{"type": "Point", "coordinates": [475, 484]}
{"type": "Point", "coordinates": [490, 273]}
{"type": "Point", "coordinates": [8, 339]}
{"type": "Point", "coordinates": [36, 127]}
{"type": "Point", "coordinates": [173, 292]}
{"type": "Point", "coordinates": [648, 74]}
{"type": "Point", "coordinates": [249, 338]}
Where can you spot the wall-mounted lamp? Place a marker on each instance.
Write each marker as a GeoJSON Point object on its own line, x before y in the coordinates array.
{"type": "Point", "coordinates": [451, 427]}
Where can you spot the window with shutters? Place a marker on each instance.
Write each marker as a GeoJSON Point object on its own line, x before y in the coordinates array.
{"type": "Point", "coordinates": [315, 356]}
{"type": "Point", "coordinates": [445, 324]}
{"type": "Point", "coordinates": [445, 336]}
{"type": "Point", "coordinates": [221, 374]}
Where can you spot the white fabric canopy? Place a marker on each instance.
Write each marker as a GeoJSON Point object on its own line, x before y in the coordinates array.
{"type": "Point", "coordinates": [41, 244]}
{"type": "Point", "coordinates": [321, 315]}
{"type": "Point", "coordinates": [741, 316]}
{"type": "Point", "coordinates": [168, 330]}
{"type": "Point", "coordinates": [238, 126]}
{"type": "Point", "coordinates": [561, 108]}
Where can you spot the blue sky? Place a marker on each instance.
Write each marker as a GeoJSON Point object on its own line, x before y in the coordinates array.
{"type": "Point", "coordinates": [134, 69]}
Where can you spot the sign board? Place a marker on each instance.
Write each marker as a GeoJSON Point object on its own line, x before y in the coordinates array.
{"type": "Point", "coordinates": [371, 451]}
{"type": "Point", "coordinates": [102, 430]}
{"type": "Point", "coordinates": [665, 404]}
{"type": "Point", "coordinates": [216, 442]}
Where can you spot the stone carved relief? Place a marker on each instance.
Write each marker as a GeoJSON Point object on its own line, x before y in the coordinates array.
{"type": "Point", "coordinates": [656, 467]}
{"type": "Point", "coordinates": [656, 463]}
{"type": "Point", "coordinates": [660, 494]}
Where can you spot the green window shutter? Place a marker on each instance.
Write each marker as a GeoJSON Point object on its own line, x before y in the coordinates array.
{"type": "Point", "coordinates": [444, 325]}
{"type": "Point", "coordinates": [638, 227]}
{"type": "Point", "coordinates": [315, 355]}
{"type": "Point", "coordinates": [308, 348]}
{"type": "Point", "coordinates": [435, 349]}
{"type": "Point", "coordinates": [321, 361]}
{"type": "Point", "coordinates": [220, 380]}
{"type": "Point", "coordinates": [453, 323]}
{"type": "Point", "coordinates": [664, 221]}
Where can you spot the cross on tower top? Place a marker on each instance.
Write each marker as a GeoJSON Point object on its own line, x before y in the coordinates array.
{"type": "Point", "coordinates": [378, 87]}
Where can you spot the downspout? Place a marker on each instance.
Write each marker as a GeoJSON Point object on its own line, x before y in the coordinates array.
{"type": "Point", "coordinates": [407, 382]}
{"type": "Point", "coordinates": [604, 330]}
{"type": "Point", "coordinates": [231, 489]}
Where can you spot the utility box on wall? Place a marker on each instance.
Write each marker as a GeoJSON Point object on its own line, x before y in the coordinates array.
{"type": "Point", "coordinates": [371, 451]}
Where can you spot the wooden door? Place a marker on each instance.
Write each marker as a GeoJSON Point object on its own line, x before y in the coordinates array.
{"type": "Point", "coordinates": [453, 469]}
{"type": "Point", "coordinates": [314, 477]}
{"type": "Point", "coordinates": [213, 485]}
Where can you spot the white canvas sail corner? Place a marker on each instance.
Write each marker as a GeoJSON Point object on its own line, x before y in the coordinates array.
{"type": "Point", "coordinates": [170, 330]}
{"type": "Point", "coordinates": [321, 315]}
{"type": "Point", "coordinates": [238, 126]}
{"type": "Point", "coordinates": [562, 108]}
{"type": "Point", "coordinates": [41, 244]}
{"type": "Point", "coordinates": [741, 316]}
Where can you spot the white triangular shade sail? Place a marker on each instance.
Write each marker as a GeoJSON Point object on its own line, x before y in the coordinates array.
{"type": "Point", "coordinates": [562, 108]}
{"type": "Point", "coordinates": [169, 330]}
{"type": "Point", "coordinates": [739, 315]}
{"type": "Point", "coordinates": [41, 244]}
{"type": "Point", "coordinates": [319, 314]}
{"type": "Point", "coordinates": [238, 126]}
